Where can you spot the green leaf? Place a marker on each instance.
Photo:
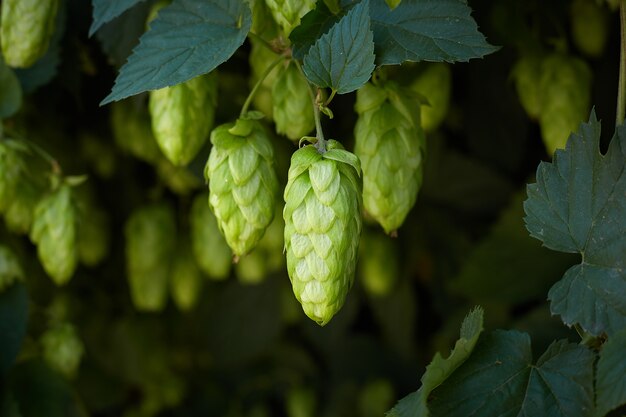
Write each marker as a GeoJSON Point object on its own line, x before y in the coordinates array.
{"type": "Point", "coordinates": [13, 319]}
{"type": "Point", "coordinates": [343, 58]}
{"type": "Point", "coordinates": [415, 404]}
{"type": "Point", "coordinates": [313, 25]}
{"type": "Point", "coordinates": [106, 10]}
{"type": "Point", "coordinates": [187, 39]}
{"type": "Point", "coordinates": [577, 206]}
{"type": "Point", "coordinates": [426, 30]}
{"type": "Point", "coordinates": [499, 379]}
{"type": "Point", "coordinates": [10, 91]}
{"type": "Point", "coordinates": [610, 381]}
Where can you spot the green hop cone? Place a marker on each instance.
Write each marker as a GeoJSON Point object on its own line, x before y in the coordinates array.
{"type": "Point", "coordinates": [93, 234]}
{"type": "Point", "coordinates": [292, 105]}
{"type": "Point", "coordinates": [376, 398]}
{"type": "Point", "coordinates": [526, 75]}
{"type": "Point", "coordinates": [260, 59]}
{"type": "Point", "coordinates": [322, 227]}
{"type": "Point", "coordinates": [211, 251]}
{"type": "Point", "coordinates": [185, 279]}
{"type": "Point", "coordinates": [130, 122]}
{"type": "Point", "coordinates": [390, 143]}
{"type": "Point", "coordinates": [10, 268]}
{"type": "Point", "coordinates": [378, 264]}
{"type": "Point", "coordinates": [150, 240]}
{"type": "Point", "coordinates": [590, 23]}
{"type": "Point", "coordinates": [54, 231]}
{"type": "Point", "coordinates": [566, 97]}
{"type": "Point", "coordinates": [11, 171]}
{"type": "Point", "coordinates": [301, 402]}
{"type": "Point", "coordinates": [182, 117]}
{"type": "Point", "coordinates": [19, 214]}
{"type": "Point", "coordinates": [252, 268]}
{"type": "Point", "coordinates": [287, 13]}
{"type": "Point", "coordinates": [435, 83]}
{"type": "Point", "coordinates": [26, 29]}
{"type": "Point", "coordinates": [62, 348]}
{"type": "Point", "coordinates": [242, 182]}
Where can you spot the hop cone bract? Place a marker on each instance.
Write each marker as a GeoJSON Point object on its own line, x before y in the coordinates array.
{"type": "Point", "coordinates": [292, 105]}
{"type": "Point", "coordinates": [287, 13]}
{"type": "Point", "coordinates": [322, 227]}
{"type": "Point", "coordinates": [150, 240]}
{"type": "Point", "coordinates": [242, 182]}
{"type": "Point", "coordinates": [26, 29]}
{"type": "Point", "coordinates": [211, 251]}
{"type": "Point", "coordinates": [182, 117]}
{"type": "Point", "coordinates": [54, 231]}
{"type": "Point", "coordinates": [390, 142]}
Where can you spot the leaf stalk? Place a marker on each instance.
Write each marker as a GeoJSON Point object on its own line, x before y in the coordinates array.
{"type": "Point", "coordinates": [258, 84]}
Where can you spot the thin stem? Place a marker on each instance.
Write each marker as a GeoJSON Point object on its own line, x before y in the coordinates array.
{"type": "Point", "coordinates": [258, 84]}
{"type": "Point", "coordinates": [621, 87]}
{"type": "Point", "coordinates": [332, 96]}
{"type": "Point", "coordinates": [319, 133]}
{"type": "Point", "coordinates": [56, 167]}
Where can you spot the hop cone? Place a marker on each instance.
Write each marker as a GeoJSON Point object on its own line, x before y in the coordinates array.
{"type": "Point", "coordinates": [287, 13]}
{"type": "Point", "coordinates": [182, 117]}
{"type": "Point", "coordinates": [10, 269]}
{"type": "Point", "coordinates": [292, 106]}
{"type": "Point", "coordinates": [260, 59]}
{"type": "Point", "coordinates": [242, 182]}
{"type": "Point", "coordinates": [62, 348]}
{"type": "Point", "coordinates": [434, 83]}
{"type": "Point", "coordinates": [211, 251]}
{"type": "Point", "coordinates": [150, 240]}
{"type": "Point", "coordinates": [19, 213]}
{"type": "Point", "coordinates": [527, 77]}
{"type": "Point", "coordinates": [54, 232]}
{"type": "Point", "coordinates": [26, 29]}
{"type": "Point", "coordinates": [390, 144]}
{"type": "Point", "coordinates": [378, 264]}
{"type": "Point", "coordinates": [566, 97]}
{"type": "Point", "coordinates": [130, 123]}
{"type": "Point", "coordinates": [186, 279]}
{"type": "Point", "coordinates": [93, 233]}
{"type": "Point", "coordinates": [322, 227]}
{"type": "Point", "coordinates": [11, 171]}
{"type": "Point", "coordinates": [590, 24]}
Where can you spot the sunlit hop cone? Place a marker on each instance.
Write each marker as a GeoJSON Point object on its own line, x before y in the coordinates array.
{"type": "Point", "coordinates": [390, 143]}
{"type": "Point", "coordinates": [292, 104]}
{"type": "Point", "coordinates": [26, 29]}
{"type": "Point", "coordinates": [211, 251]}
{"type": "Point", "coordinates": [182, 117]}
{"type": "Point", "coordinates": [287, 13]}
{"type": "Point", "coordinates": [242, 182]}
{"type": "Point", "coordinates": [322, 227]}
{"type": "Point", "coordinates": [566, 97]}
{"type": "Point", "coordinates": [150, 240]}
{"type": "Point", "coordinates": [54, 231]}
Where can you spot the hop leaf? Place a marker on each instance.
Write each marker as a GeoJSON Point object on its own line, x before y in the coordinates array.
{"type": "Point", "coordinates": [150, 240]}
{"type": "Point", "coordinates": [292, 105]}
{"type": "Point", "coordinates": [242, 182]}
{"type": "Point", "coordinates": [322, 227]}
{"type": "Point", "coordinates": [27, 27]}
{"type": "Point", "coordinates": [10, 268]}
{"type": "Point", "coordinates": [186, 280]}
{"type": "Point", "coordinates": [54, 232]}
{"type": "Point", "coordinates": [182, 117]}
{"type": "Point", "coordinates": [209, 247]}
{"type": "Point", "coordinates": [287, 13]}
{"type": "Point", "coordinates": [390, 142]}
{"type": "Point", "coordinates": [62, 348]}
{"type": "Point", "coordinates": [566, 96]}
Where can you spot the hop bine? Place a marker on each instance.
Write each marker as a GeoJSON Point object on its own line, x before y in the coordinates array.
{"type": "Point", "coordinates": [390, 143]}
{"type": "Point", "coordinates": [242, 182]}
{"type": "Point", "coordinates": [322, 227]}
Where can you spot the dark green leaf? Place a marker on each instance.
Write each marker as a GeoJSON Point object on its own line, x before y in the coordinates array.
{"type": "Point", "coordinates": [313, 25]}
{"type": "Point", "coordinates": [578, 206]}
{"type": "Point", "coordinates": [106, 10]}
{"type": "Point", "coordinates": [610, 380]}
{"type": "Point", "coordinates": [426, 30]}
{"type": "Point", "coordinates": [415, 404]}
{"type": "Point", "coordinates": [343, 58]}
{"type": "Point", "coordinates": [187, 39]}
{"type": "Point", "coordinates": [10, 91]}
{"type": "Point", "coordinates": [508, 266]}
{"type": "Point", "coordinates": [499, 379]}
{"type": "Point", "coordinates": [13, 319]}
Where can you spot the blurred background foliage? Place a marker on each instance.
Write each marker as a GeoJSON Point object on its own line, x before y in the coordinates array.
{"type": "Point", "coordinates": [240, 345]}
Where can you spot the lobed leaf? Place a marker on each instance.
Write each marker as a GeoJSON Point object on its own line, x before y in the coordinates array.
{"type": "Point", "coordinates": [610, 381]}
{"type": "Point", "coordinates": [106, 10]}
{"type": "Point", "coordinates": [187, 39]}
{"type": "Point", "coordinates": [578, 206]}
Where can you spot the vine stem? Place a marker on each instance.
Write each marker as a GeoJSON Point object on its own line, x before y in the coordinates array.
{"type": "Point", "coordinates": [319, 133]}
{"type": "Point", "coordinates": [258, 84]}
{"type": "Point", "coordinates": [56, 167]}
{"type": "Point", "coordinates": [621, 87]}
